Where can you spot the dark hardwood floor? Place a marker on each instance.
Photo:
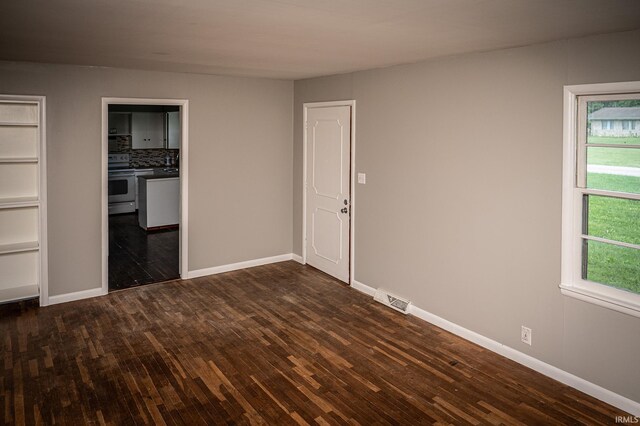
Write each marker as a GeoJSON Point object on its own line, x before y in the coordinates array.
{"type": "Point", "coordinates": [138, 257]}
{"type": "Point", "coordinates": [278, 344]}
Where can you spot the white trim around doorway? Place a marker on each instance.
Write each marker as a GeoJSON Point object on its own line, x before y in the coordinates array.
{"type": "Point", "coordinates": [184, 182]}
{"type": "Point", "coordinates": [352, 189]}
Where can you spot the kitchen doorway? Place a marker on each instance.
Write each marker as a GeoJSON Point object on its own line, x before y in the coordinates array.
{"type": "Point", "coordinates": [144, 191]}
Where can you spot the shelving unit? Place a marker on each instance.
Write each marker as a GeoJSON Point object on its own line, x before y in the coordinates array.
{"type": "Point", "coordinates": [22, 198]}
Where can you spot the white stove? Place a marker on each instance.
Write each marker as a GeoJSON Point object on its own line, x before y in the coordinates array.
{"type": "Point", "coordinates": [118, 161]}
{"type": "Point", "coordinates": [122, 192]}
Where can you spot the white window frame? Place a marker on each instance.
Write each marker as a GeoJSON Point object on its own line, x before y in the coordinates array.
{"type": "Point", "coordinates": [573, 189]}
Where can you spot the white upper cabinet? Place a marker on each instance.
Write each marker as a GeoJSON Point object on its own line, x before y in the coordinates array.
{"type": "Point", "coordinates": [174, 132]}
{"type": "Point", "coordinates": [147, 130]}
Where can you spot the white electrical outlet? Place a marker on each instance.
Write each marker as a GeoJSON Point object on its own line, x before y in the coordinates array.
{"type": "Point", "coordinates": [525, 335]}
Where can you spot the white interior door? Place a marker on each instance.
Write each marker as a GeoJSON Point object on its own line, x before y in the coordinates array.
{"type": "Point", "coordinates": [327, 186]}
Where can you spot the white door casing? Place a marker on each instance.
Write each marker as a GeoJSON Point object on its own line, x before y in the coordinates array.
{"type": "Point", "coordinates": [327, 187]}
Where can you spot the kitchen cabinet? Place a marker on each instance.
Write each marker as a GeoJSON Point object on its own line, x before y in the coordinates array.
{"type": "Point", "coordinates": [119, 124]}
{"type": "Point", "coordinates": [174, 131]}
{"type": "Point", "coordinates": [137, 173]}
{"type": "Point", "coordinates": [147, 130]}
{"type": "Point", "coordinates": [159, 201]}
{"type": "Point", "coordinates": [22, 207]}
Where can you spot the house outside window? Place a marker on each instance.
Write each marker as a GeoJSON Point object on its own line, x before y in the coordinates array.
{"type": "Point", "coordinates": [615, 120]}
{"type": "Point", "coordinates": [601, 196]}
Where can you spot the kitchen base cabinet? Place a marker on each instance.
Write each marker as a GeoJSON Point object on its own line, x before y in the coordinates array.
{"type": "Point", "coordinates": [159, 201]}
{"type": "Point", "coordinates": [137, 174]}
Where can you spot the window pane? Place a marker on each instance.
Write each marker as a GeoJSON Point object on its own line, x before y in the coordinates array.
{"type": "Point", "coordinates": [613, 218]}
{"type": "Point", "coordinates": [613, 122]}
{"type": "Point", "coordinates": [612, 265]}
{"type": "Point", "coordinates": [613, 169]}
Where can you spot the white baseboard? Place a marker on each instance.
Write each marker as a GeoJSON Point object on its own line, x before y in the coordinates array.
{"type": "Point", "coordinates": [239, 265]}
{"type": "Point", "coordinates": [297, 258]}
{"type": "Point", "coordinates": [94, 292]}
{"type": "Point", "coordinates": [542, 367]}
{"type": "Point", "coordinates": [535, 364]}
{"type": "Point", "coordinates": [363, 288]}
{"type": "Point", "coordinates": [70, 297]}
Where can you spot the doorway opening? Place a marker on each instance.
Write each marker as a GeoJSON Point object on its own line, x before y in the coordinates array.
{"type": "Point", "coordinates": [144, 145]}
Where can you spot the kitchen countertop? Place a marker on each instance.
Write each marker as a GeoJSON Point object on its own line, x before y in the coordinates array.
{"type": "Point", "coordinates": [142, 169]}
{"type": "Point", "coordinates": [160, 176]}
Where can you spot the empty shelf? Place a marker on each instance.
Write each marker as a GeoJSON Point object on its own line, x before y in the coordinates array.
{"type": "Point", "coordinates": [8, 203]}
{"type": "Point", "coordinates": [19, 293]}
{"type": "Point", "coordinates": [12, 124]}
{"type": "Point", "coordinates": [19, 160]}
{"type": "Point", "coordinates": [18, 247]}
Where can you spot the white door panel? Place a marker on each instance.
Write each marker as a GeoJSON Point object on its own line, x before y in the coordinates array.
{"type": "Point", "coordinates": [325, 226]}
{"type": "Point", "coordinates": [328, 189]}
{"type": "Point", "coordinates": [327, 146]}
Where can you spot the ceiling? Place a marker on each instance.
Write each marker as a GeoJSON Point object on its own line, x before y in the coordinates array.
{"type": "Point", "coordinates": [289, 39]}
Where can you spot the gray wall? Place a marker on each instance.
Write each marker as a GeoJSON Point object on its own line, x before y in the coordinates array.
{"type": "Point", "coordinates": [240, 188]}
{"type": "Point", "coordinates": [461, 212]}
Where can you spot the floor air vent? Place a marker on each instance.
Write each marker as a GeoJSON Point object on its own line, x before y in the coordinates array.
{"type": "Point", "coordinates": [392, 301]}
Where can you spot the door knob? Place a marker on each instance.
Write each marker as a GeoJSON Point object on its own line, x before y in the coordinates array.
{"type": "Point", "coordinates": [344, 210]}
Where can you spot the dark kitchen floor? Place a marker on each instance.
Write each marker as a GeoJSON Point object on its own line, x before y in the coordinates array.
{"type": "Point", "coordinates": [138, 257]}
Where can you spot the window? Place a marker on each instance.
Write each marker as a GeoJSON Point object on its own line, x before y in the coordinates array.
{"type": "Point", "coordinates": [601, 198]}
{"type": "Point", "coordinates": [607, 125]}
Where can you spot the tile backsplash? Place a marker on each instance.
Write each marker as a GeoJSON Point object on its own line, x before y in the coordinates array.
{"type": "Point", "coordinates": [150, 157]}
{"type": "Point", "coordinates": [141, 157]}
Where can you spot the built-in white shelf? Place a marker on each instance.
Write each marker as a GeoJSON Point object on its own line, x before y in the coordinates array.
{"type": "Point", "coordinates": [19, 247]}
{"type": "Point", "coordinates": [22, 184]}
{"type": "Point", "coordinates": [19, 160]}
{"type": "Point", "coordinates": [11, 203]}
{"type": "Point", "coordinates": [16, 124]}
{"type": "Point", "coordinates": [19, 293]}
{"type": "Point", "coordinates": [18, 102]}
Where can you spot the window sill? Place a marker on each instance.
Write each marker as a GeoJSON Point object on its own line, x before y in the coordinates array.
{"type": "Point", "coordinates": [604, 298]}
